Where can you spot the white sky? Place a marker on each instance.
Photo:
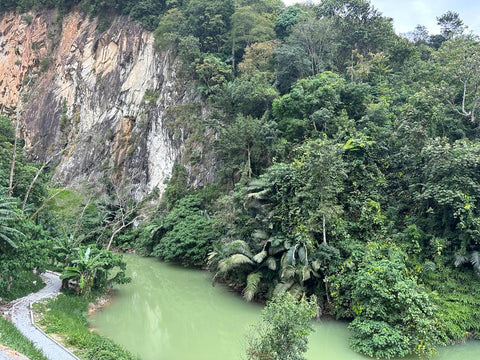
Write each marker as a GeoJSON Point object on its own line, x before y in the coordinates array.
{"type": "Point", "coordinates": [407, 14]}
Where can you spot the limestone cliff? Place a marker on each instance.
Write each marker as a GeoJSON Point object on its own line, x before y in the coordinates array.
{"type": "Point", "coordinates": [114, 104]}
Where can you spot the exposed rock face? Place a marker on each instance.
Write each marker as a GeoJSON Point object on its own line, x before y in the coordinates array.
{"type": "Point", "coordinates": [108, 98]}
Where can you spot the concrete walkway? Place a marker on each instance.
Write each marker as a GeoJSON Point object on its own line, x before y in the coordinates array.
{"type": "Point", "coordinates": [22, 319]}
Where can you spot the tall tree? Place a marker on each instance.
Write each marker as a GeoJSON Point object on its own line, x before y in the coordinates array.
{"type": "Point", "coordinates": [459, 61]}
{"type": "Point", "coordinates": [450, 25]}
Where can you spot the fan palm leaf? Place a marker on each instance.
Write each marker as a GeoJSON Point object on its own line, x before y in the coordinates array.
{"type": "Point", "coordinates": [232, 262]}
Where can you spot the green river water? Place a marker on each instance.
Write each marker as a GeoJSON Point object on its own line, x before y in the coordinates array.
{"type": "Point", "coordinates": [168, 312]}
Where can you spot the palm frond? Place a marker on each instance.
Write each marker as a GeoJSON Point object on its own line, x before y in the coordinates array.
{"type": "Point", "coordinates": [8, 233]}
{"type": "Point", "coordinates": [260, 235]}
{"type": "Point", "coordinates": [282, 287]}
{"type": "Point", "coordinates": [460, 260]}
{"type": "Point", "coordinates": [232, 262]}
{"type": "Point", "coordinates": [237, 247]}
{"type": "Point", "coordinates": [297, 291]}
{"type": "Point", "coordinates": [288, 272]}
{"type": "Point", "coordinates": [475, 260]}
{"type": "Point", "coordinates": [251, 289]}
{"type": "Point", "coordinates": [258, 258]}
{"type": "Point", "coordinates": [211, 255]}
{"type": "Point", "coordinates": [271, 263]}
{"type": "Point", "coordinates": [8, 240]}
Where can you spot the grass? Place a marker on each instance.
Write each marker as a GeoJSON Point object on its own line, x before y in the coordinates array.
{"type": "Point", "coordinates": [67, 201]}
{"type": "Point", "coordinates": [11, 337]}
{"type": "Point", "coordinates": [66, 316]}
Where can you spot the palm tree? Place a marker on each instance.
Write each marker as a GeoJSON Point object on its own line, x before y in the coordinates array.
{"type": "Point", "coordinates": [8, 234]}
{"type": "Point", "coordinates": [289, 264]}
{"type": "Point", "coordinates": [472, 258]}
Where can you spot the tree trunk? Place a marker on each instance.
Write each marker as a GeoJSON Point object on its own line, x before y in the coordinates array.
{"type": "Point", "coordinates": [249, 163]}
{"type": "Point", "coordinates": [324, 231]}
{"type": "Point", "coordinates": [115, 232]}
{"type": "Point", "coordinates": [325, 281]}
{"type": "Point", "coordinates": [113, 236]}
{"type": "Point", "coordinates": [24, 203]}
{"type": "Point", "coordinates": [39, 171]}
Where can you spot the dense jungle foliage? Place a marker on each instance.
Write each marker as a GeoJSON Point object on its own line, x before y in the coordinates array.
{"type": "Point", "coordinates": [350, 167]}
{"type": "Point", "coordinates": [46, 227]}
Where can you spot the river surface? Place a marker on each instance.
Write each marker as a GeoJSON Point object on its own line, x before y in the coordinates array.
{"type": "Point", "coordinates": [168, 312]}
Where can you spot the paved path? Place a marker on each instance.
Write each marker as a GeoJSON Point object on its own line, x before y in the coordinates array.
{"type": "Point", "coordinates": [21, 318]}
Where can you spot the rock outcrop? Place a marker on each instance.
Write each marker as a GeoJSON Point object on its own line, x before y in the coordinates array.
{"type": "Point", "coordinates": [114, 105]}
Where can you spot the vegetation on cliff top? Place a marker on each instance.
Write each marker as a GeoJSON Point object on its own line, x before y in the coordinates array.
{"type": "Point", "coordinates": [350, 161]}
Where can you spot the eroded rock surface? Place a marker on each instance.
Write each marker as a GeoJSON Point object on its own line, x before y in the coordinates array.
{"type": "Point", "coordinates": [107, 98]}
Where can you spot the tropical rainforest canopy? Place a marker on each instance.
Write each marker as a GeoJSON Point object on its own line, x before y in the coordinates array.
{"type": "Point", "coordinates": [350, 168]}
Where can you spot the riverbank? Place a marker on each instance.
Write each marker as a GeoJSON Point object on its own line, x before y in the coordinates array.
{"type": "Point", "coordinates": [66, 319]}
{"type": "Point", "coordinates": [63, 317]}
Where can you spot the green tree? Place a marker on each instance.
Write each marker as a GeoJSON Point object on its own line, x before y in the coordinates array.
{"type": "Point", "coordinates": [360, 27]}
{"type": "Point", "coordinates": [170, 30]}
{"type": "Point", "coordinates": [394, 315]}
{"type": "Point", "coordinates": [251, 23]}
{"type": "Point", "coordinates": [92, 269]}
{"type": "Point", "coordinates": [449, 191]}
{"type": "Point", "coordinates": [286, 21]}
{"type": "Point", "coordinates": [283, 332]}
{"type": "Point", "coordinates": [313, 105]}
{"type": "Point", "coordinates": [310, 49]}
{"type": "Point", "coordinates": [209, 21]}
{"type": "Point", "coordinates": [241, 146]}
{"type": "Point", "coordinates": [459, 69]}
{"type": "Point", "coordinates": [212, 73]}
{"type": "Point", "coordinates": [450, 25]}
{"type": "Point", "coordinates": [185, 234]}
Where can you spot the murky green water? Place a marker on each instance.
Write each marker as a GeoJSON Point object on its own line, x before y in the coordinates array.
{"type": "Point", "coordinates": [172, 313]}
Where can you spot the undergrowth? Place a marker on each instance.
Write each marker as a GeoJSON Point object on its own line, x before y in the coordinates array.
{"type": "Point", "coordinates": [458, 303]}
{"type": "Point", "coordinates": [25, 283]}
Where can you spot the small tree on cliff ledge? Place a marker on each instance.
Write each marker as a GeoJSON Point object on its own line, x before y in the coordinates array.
{"type": "Point", "coordinates": [282, 333]}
